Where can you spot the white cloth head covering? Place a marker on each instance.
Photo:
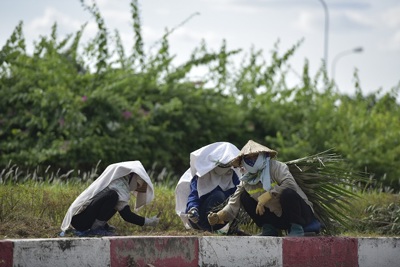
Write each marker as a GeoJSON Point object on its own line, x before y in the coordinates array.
{"type": "Point", "coordinates": [212, 179]}
{"type": "Point", "coordinates": [111, 173]}
{"type": "Point", "coordinates": [208, 157]}
{"type": "Point", "coordinates": [204, 163]}
{"type": "Point", "coordinates": [182, 192]}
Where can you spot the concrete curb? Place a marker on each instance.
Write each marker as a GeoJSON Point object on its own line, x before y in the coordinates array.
{"type": "Point", "coordinates": [207, 251]}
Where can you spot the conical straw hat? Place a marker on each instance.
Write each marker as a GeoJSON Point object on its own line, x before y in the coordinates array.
{"type": "Point", "coordinates": [252, 148]}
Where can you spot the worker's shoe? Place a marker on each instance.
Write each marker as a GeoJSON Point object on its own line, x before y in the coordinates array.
{"type": "Point", "coordinates": [296, 230]}
{"type": "Point", "coordinates": [268, 230]}
{"type": "Point", "coordinates": [109, 227]}
{"type": "Point", "coordinates": [313, 227]}
{"type": "Point", "coordinates": [100, 231]}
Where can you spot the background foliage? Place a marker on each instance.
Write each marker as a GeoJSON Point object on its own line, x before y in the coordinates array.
{"type": "Point", "coordinates": [73, 105]}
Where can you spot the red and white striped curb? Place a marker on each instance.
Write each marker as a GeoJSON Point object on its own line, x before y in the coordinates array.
{"type": "Point", "coordinates": [207, 251]}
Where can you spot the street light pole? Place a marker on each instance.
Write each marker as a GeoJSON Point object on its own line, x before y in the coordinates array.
{"type": "Point", "coordinates": [326, 33]}
{"type": "Point", "coordinates": [342, 54]}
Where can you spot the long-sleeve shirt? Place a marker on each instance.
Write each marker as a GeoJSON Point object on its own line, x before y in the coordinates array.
{"type": "Point", "coordinates": [194, 200]}
{"type": "Point", "coordinates": [281, 179]}
{"type": "Point", "coordinates": [121, 187]}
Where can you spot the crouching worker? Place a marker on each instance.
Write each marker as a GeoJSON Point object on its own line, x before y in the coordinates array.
{"type": "Point", "coordinates": [110, 192]}
{"type": "Point", "coordinates": [206, 185]}
{"type": "Point", "coordinates": [269, 194]}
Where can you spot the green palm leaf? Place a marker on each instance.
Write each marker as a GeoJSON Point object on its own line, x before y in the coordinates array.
{"type": "Point", "coordinates": [328, 185]}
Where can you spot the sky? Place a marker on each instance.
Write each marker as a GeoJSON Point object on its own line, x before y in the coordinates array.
{"type": "Point", "coordinates": [372, 26]}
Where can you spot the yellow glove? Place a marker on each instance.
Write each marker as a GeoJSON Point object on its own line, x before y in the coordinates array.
{"type": "Point", "coordinates": [217, 218]}
{"type": "Point", "coordinates": [262, 200]}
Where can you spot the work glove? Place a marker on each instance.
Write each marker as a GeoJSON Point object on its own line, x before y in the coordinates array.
{"type": "Point", "coordinates": [217, 218]}
{"type": "Point", "coordinates": [153, 221]}
{"type": "Point", "coordinates": [193, 215]}
{"type": "Point", "coordinates": [262, 200]}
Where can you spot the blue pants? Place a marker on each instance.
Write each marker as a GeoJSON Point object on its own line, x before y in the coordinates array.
{"type": "Point", "coordinates": [208, 205]}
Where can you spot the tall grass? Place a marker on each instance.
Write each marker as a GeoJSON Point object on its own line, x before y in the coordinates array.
{"type": "Point", "coordinates": [32, 208]}
{"type": "Point", "coordinates": [45, 204]}
{"type": "Point", "coordinates": [376, 213]}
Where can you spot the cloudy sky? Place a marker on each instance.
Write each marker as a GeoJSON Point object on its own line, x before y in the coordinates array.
{"type": "Point", "coordinates": [373, 25]}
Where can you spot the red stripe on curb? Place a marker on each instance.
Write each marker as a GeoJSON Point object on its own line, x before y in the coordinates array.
{"type": "Point", "coordinates": [319, 251]}
{"type": "Point", "coordinates": [158, 251]}
{"type": "Point", "coordinates": [6, 253]}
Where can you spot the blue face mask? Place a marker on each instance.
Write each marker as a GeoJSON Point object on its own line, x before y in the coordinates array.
{"type": "Point", "coordinates": [256, 163]}
{"type": "Point", "coordinates": [250, 161]}
{"type": "Point", "coordinates": [258, 171]}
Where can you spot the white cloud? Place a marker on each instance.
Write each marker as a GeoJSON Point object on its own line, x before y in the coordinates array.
{"type": "Point", "coordinates": [151, 34]}
{"type": "Point", "coordinates": [391, 43]}
{"type": "Point", "coordinates": [373, 24]}
{"type": "Point", "coordinates": [66, 24]}
{"type": "Point", "coordinates": [391, 17]}
{"type": "Point", "coordinates": [307, 21]}
{"type": "Point", "coordinates": [162, 11]}
{"type": "Point", "coordinates": [50, 16]}
{"type": "Point", "coordinates": [389, 26]}
{"type": "Point", "coordinates": [186, 35]}
{"type": "Point", "coordinates": [396, 40]}
{"type": "Point", "coordinates": [360, 20]}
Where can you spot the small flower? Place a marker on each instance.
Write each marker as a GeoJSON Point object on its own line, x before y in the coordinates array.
{"type": "Point", "coordinates": [84, 98]}
{"type": "Point", "coordinates": [61, 121]}
{"type": "Point", "coordinates": [127, 114]}
{"type": "Point", "coordinates": [144, 112]}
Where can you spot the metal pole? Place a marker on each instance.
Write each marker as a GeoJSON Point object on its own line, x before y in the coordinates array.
{"type": "Point", "coordinates": [342, 54]}
{"type": "Point", "coordinates": [326, 35]}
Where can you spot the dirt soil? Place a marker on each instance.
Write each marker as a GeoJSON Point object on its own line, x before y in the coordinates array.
{"type": "Point", "coordinates": [40, 229]}
{"type": "Point", "coordinates": [27, 229]}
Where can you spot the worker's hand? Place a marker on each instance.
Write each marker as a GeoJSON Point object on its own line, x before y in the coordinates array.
{"type": "Point", "coordinates": [217, 218]}
{"type": "Point", "coordinates": [193, 215]}
{"type": "Point", "coordinates": [153, 221]}
{"type": "Point", "coordinates": [262, 200]}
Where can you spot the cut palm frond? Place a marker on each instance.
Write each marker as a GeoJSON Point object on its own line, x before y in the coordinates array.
{"type": "Point", "coordinates": [328, 185]}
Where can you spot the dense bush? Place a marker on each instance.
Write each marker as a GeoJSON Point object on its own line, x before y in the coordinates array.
{"type": "Point", "coordinates": [71, 105]}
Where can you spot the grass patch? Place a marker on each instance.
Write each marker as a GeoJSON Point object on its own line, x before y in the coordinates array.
{"type": "Point", "coordinates": [36, 210]}
{"type": "Point", "coordinates": [376, 214]}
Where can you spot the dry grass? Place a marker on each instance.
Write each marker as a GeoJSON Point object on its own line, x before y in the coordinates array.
{"type": "Point", "coordinates": [36, 210]}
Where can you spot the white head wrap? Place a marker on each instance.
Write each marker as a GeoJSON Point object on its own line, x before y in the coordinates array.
{"type": "Point", "coordinates": [111, 173]}
{"type": "Point", "coordinates": [204, 163]}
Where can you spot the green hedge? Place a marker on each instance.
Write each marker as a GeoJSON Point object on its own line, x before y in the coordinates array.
{"type": "Point", "coordinates": [71, 104]}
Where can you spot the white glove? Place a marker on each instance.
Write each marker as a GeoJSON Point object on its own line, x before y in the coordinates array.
{"type": "Point", "coordinates": [153, 221]}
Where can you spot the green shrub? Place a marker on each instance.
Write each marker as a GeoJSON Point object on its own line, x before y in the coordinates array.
{"type": "Point", "coordinates": [71, 105]}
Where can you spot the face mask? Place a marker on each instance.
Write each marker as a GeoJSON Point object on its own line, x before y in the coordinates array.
{"type": "Point", "coordinates": [139, 182]}
{"type": "Point", "coordinates": [257, 165]}
{"type": "Point", "coordinates": [250, 161]}
{"type": "Point", "coordinates": [221, 171]}
{"type": "Point", "coordinates": [135, 182]}
{"type": "Point", "coordinates": [132, 183]}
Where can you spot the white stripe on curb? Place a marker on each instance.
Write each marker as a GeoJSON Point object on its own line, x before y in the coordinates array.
{"type": "Point", "coordinates": [382, 252]}
{"type": "Point", "coordinates": [62, 252]}
{"type": "Point", "coordinates": [242, 251]}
